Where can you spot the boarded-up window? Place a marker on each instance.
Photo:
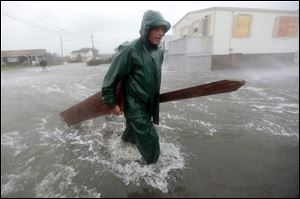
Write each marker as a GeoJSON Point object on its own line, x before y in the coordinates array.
{"type": "Point", "coordinates": [242, 26]}
{"type": "Point", "coordinates": [286, 26]}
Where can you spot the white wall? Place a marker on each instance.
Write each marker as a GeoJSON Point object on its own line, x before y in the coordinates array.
{"type": "Point", "coordinates": [261, 38]}
{"type": "Point", "coordinates": [188, 20]}
{"type": "Point", "coordinates": [222, 33]}
{"type": "Point", "coordinates": [85, 56]}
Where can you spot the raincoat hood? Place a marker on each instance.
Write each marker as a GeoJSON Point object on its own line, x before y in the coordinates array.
{"type": "Point", "coordinates": [152, 19]}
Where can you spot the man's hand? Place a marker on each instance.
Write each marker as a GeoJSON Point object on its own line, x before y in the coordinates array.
{"type": "Point", "coordinates": [116, 110]}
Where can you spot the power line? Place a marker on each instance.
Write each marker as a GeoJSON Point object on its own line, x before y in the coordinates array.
{"type": "Point", "coordinates": [34, 15]}
{"type": "Point", "coordinates": [47, 22]}
{"type": "Point", "coordinates": [61, 31]}
{"type": "Point", "coordinates": [45, 26]}
{"type": "Point", "coordinates": [64, 32]}
{"type": "Point", "coordinates": [42, 28]}
{"type": "Point", "coordinates": [26, 22]}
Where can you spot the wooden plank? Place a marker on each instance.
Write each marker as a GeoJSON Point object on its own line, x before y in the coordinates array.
{"type": "Point", "coordinates": [94, 107]}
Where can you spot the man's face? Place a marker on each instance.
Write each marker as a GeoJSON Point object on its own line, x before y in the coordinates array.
{"type": "Point", "coordinates": [156, 34]}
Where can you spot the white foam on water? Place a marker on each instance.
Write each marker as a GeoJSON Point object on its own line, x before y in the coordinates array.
{"type": "Point", "coordinates": [59, 184]}
{"type": "Point", "coordinates": [296, 106]}
{"type": "Point", "coordinates": [197, 124]}
{"type": "Point", "coordinates": [277, 129]}
{"type": "Point", "coordinates": [279, 107]}
{"type": "Point", "coordinates": [13, 140]}
{"type": "Point", "coordinates": [214, 99]}
{"type": "Point", "coordinates": [258, 91]}
{"type": "Point", "coordinates": [82, 90]}
{"type": "Point", "coordinates": [46, 89]}
{"type": "Point", "coordinates": [207, 125]}
{"type": "Point", "coordinates": [54, 89]}
{"type": "Point", "coordinates": [277, 98]}
{"type": "Point", "coordinates": [42, 124]}
{"type": "Point", "coordinates": [249, 125]}
{"type": "Point", "coordinates": [270, 108]}
{"type": "Point", "coordinates": [267, 126]}
{"type": "Point", "coordinates": [56, 135]}
{"type": "Point", "coordinates": [17, 81]}
{"type": "Point", "coordinates": [119, 157]}
{"type": "Point", "coordinates": [87, 147]}
{"type": "Point", "coordinates": [88, 78]}
{"type": "Point", "coordinates": [10, 138]}
{"type": "Point", "coordinates": [47, 133]}
{"type": "Point", "coordinates": [156, 175]}
{"type": "Point", "coordinates": [176, 117]}
{"type": "Point", "coordinates": [293, 111]}
{"type": "Point", "coordinates": [167, 127]}
{"type": "Point", "coordinates": [10, 186]}
{"type": "Point", "coordinates": [14, 182]}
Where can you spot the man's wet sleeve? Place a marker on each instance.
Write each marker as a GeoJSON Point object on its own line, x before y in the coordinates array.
{"type": "Point", "coordinates": [119, 68]}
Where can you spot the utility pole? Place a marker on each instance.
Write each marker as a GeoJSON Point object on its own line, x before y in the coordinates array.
{"type": "Point", "coordinates": [93, 46]}
{"type": "Point", "coordinates": [61, 48]}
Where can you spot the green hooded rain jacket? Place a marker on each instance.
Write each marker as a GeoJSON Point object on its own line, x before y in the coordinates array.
{"type": "Point", "coordinates": [138, 65]}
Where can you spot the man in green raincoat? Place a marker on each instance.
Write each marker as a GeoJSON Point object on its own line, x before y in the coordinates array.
{"type": "Point", "coordinates": [137, 65]}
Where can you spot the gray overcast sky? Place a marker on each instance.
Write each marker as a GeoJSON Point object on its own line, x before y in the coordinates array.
{"type": "Point", "coordinates": [33, 25]}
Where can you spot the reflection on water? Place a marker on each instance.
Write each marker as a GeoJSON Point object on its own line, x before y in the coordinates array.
{"type": "Point", "coordinates": [239, 144]}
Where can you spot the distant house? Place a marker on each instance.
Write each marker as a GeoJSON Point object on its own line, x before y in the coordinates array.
{"type": "Point", "coordinates": [83, 55]}
{"type": "Point", "coordinates": [221, 36]}
{"type": "Point", "coordinates": [14, 57]}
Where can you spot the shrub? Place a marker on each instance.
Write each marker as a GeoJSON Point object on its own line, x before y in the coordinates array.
{"type": "Point", "coordinates": [95, 62]}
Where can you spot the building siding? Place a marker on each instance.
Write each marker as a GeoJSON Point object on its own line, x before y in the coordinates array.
{"type": "Point", "coordinates": [188, 21]}
{"type": "Point", "coordinates": [261, 38]}
{"type": "Point", "coordinates": [222, 33]}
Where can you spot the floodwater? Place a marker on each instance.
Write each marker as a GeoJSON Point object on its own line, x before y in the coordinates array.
{"type": "Point", "coordinates": [239, 144]}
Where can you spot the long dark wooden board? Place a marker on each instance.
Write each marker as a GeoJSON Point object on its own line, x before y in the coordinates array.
{"type": "Point", "coordinates": [93, 106]}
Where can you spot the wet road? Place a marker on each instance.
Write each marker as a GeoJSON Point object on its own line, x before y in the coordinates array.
{"type": "Point", "coordinates": [239, 144]}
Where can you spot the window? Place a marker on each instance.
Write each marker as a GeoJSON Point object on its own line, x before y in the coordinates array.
{"type": "Point", "coordinates": [12, 59]}
{"type": "Point", "coordinates": [286, 26]}
{"type": "Point", "coordinates": [241, 26]}
{"type": "Point", "coordinates": [196, 26]}
{"type": "Point", "coordinates": [184, 31]}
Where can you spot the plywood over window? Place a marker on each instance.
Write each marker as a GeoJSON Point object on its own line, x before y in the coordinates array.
{"type": "Point", "coordinates": [286, 26]}
{"type": "Point", "coordinates": [242, 26]}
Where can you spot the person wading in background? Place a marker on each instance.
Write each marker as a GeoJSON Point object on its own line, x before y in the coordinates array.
{"type": "Point", "coordinates": [43, 64]}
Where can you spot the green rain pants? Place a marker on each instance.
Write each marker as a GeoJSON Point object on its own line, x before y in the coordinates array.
{"type": "Point", "coordinates": [141, 131]}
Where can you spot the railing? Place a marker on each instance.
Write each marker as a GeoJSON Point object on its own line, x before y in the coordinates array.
{"type": "Point", "coordinates": [191, 45]}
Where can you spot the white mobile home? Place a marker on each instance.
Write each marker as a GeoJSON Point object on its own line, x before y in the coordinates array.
{"type": "Point", "coordinates": [226, 36]}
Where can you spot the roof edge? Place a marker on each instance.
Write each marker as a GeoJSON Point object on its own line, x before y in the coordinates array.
{"type": "Point", "coordinates": [239, 9]}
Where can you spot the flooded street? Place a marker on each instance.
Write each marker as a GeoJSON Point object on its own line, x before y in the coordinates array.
{"type": "Point", "coordinates": [239, 144]}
